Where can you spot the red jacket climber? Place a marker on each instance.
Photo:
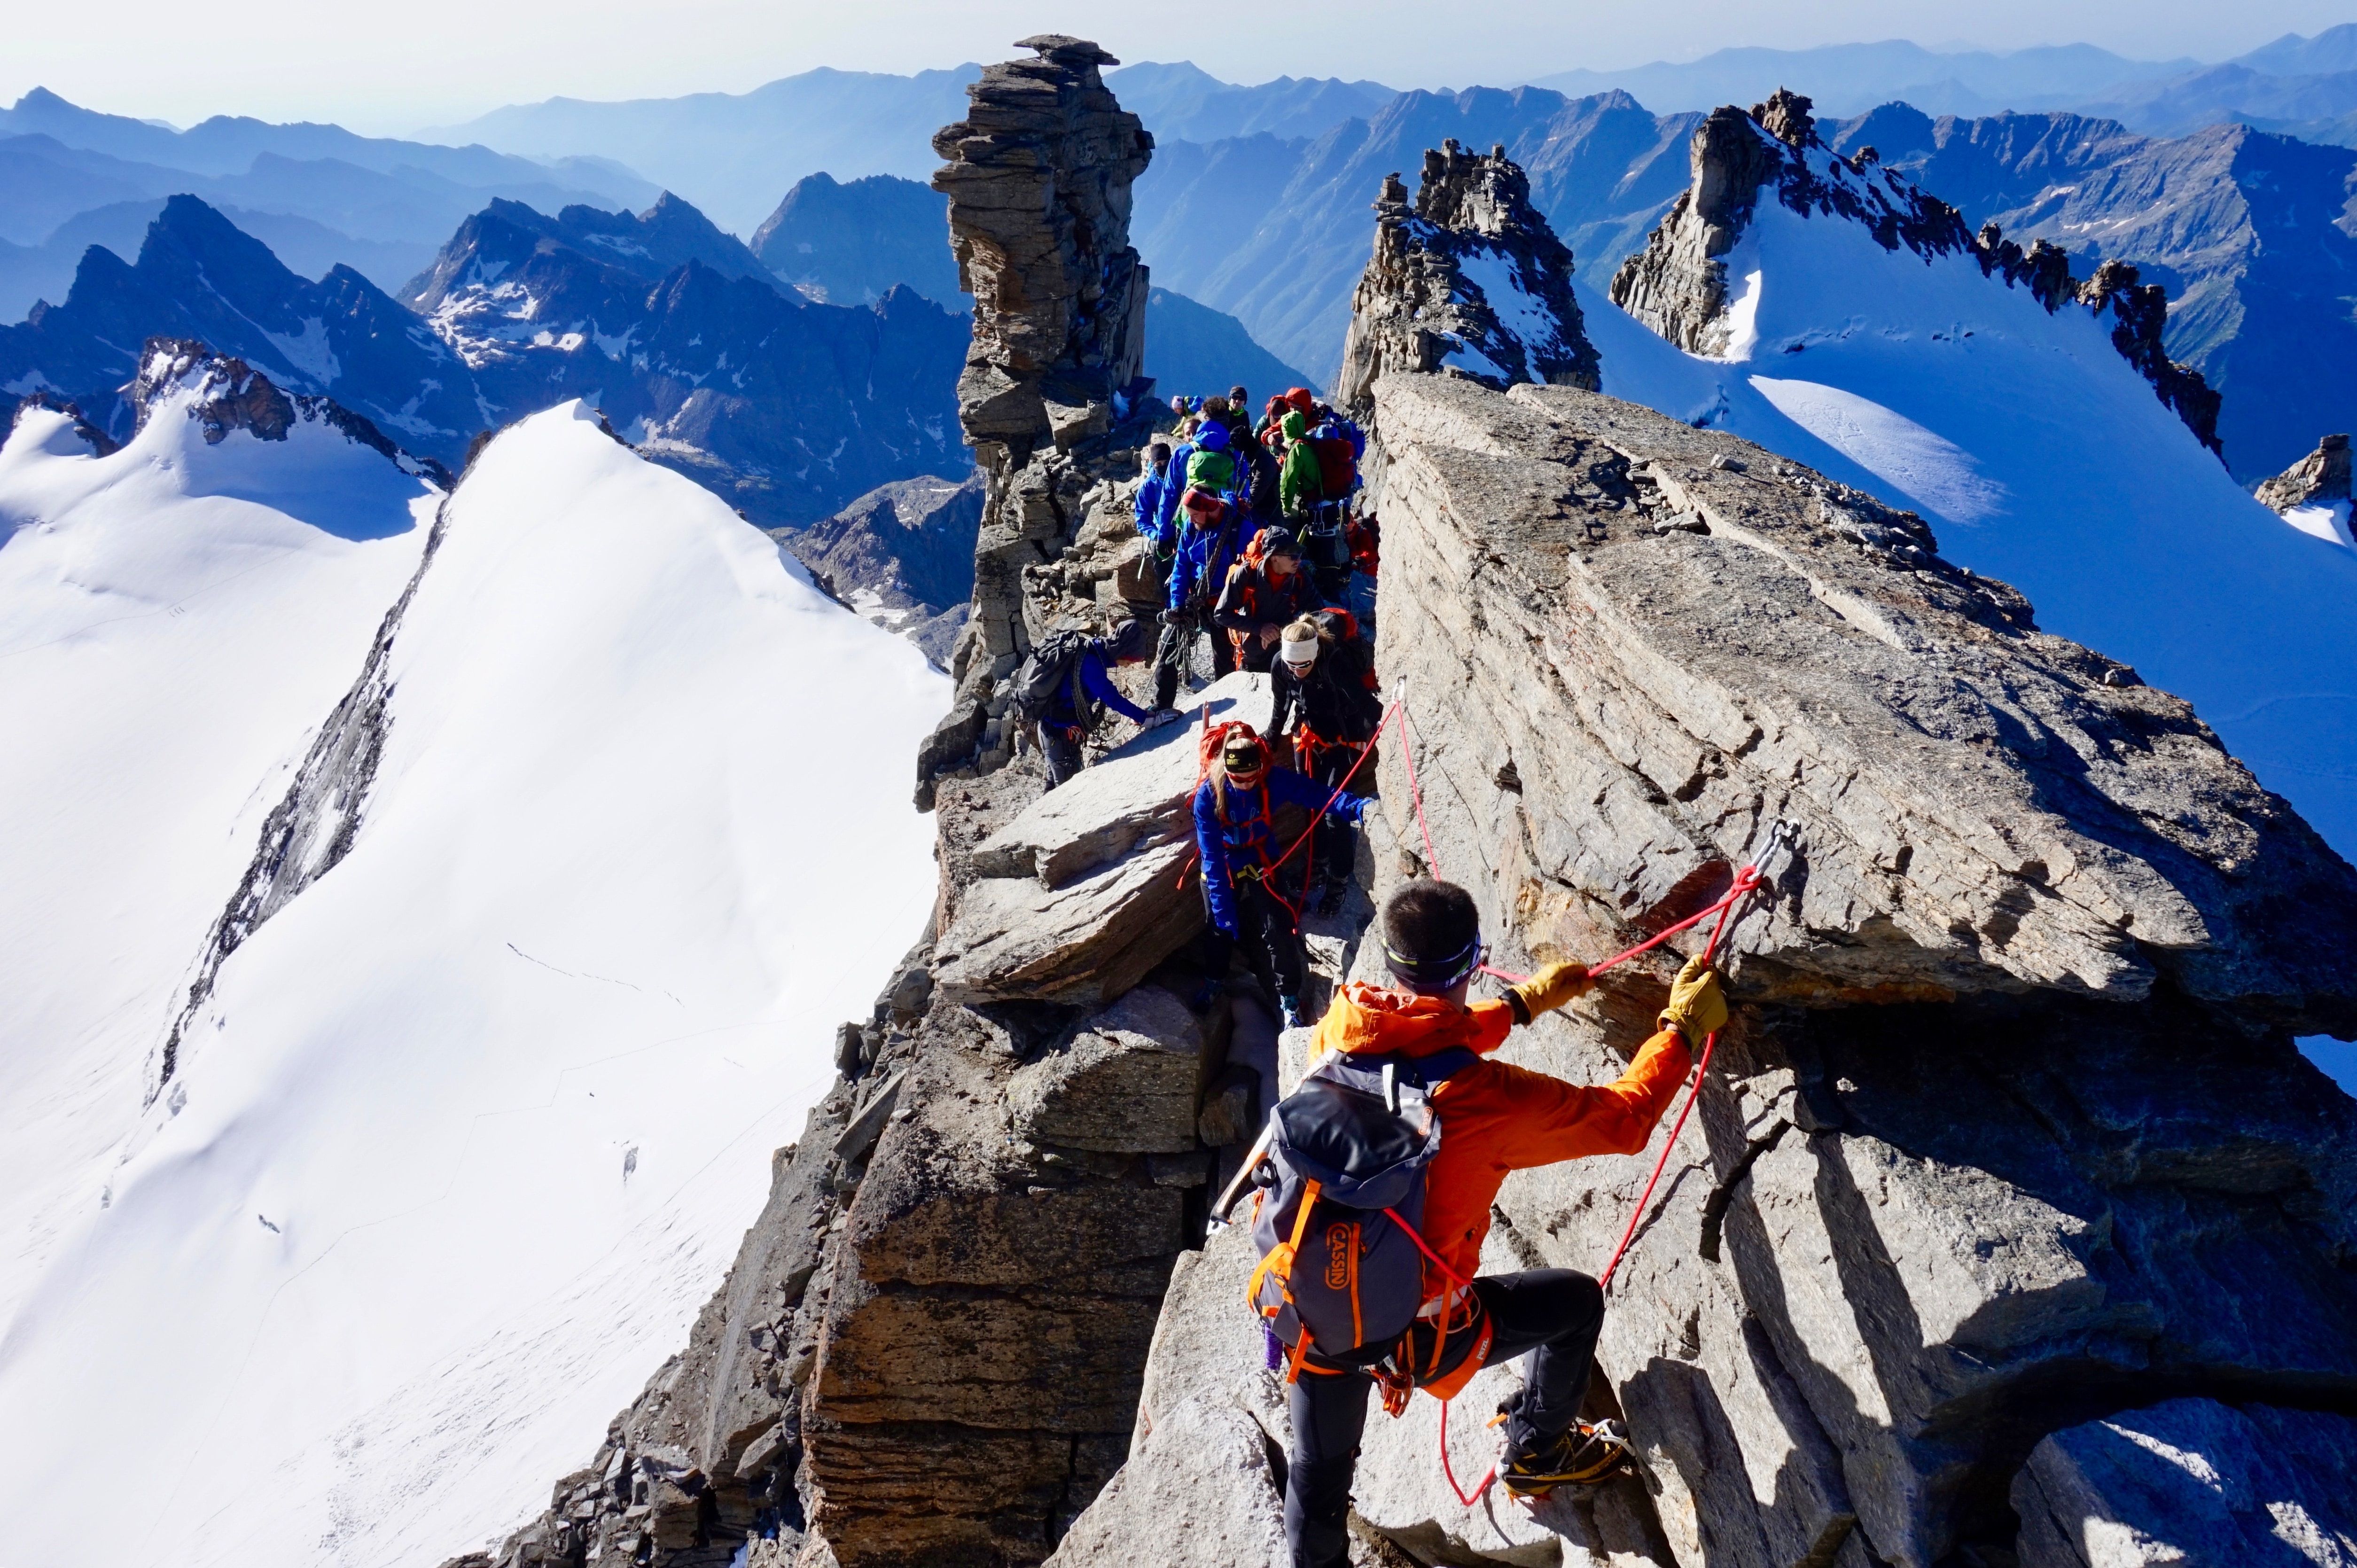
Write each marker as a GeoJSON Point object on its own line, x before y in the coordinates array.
{"type": "Point", "coordinates": [1495, 1119]}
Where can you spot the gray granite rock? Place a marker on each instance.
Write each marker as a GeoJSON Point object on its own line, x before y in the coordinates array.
{"type": "Point", "coordinates": [1196, 1492]}
{"type": "Point", "coordinates": [1471, 280]}
{"type": "Point", "coordinates": [2319, 479]}
{"type": "Point", "coordinates": [2192, 1481]}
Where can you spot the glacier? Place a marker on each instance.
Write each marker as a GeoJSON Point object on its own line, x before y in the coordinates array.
{"type": "Point", "coordinates": [463, 1136]}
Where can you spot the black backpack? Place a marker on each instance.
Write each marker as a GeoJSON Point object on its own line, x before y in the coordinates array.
{"type": "Point", "coordinates": [1339, 1218]}
{"type": "Point", "coordinates": [1054, 663]}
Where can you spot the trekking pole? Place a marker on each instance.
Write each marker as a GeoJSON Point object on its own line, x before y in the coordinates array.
{"type": "Point", "coordinates": [1253, 1158]}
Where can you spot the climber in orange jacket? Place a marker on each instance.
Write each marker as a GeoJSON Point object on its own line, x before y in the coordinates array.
{"type": "Point", "coordinates": [1495, 1118]}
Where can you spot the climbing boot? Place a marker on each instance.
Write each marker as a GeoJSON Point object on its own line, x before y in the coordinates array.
{"type": "Point", "coordinates": [1583, 1457]}
{"type": "Point", "coordinates": [1330, 900]}
{"type": "Point", "coordinates": [1288, 1009]}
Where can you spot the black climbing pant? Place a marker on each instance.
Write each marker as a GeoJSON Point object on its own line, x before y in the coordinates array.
{"type": "Point", "coordinates": [1177, 645]}
{"type": "Point", "coordinates": [1338, 838]}
{"type": "Point", "coordinates": [1272, 947]}
{"type": "Point", "coordinates": [1557, 1313]}
{"type": "Point", "coordinates": [1059, 745]}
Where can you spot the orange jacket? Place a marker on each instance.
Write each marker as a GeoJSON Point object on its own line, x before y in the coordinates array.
{"type": "Point", "coordinates": [1495, 1117]}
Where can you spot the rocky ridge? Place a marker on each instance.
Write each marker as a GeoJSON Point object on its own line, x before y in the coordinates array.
{"type": "Point", "coordinates": [1038, 178]}
{"type": "Point", "coordinates": [2006, 1154]}
{"type": "Point", "coordinates": [1677, 285]}
{"type": "Point", "coordinates": [1470, 281]}
{"type": "Point", "coordinates": [2012, 1224]}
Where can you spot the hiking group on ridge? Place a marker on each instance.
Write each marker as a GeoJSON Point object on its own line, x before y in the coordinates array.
{"type": "Point", "coordinates": [1374, 1177]}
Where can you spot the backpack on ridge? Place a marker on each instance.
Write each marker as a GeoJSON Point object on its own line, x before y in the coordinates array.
{"type": "Point", "coordinates": [1337, 1219]}
{"type": "Point", "coordinates": [1054, 663]}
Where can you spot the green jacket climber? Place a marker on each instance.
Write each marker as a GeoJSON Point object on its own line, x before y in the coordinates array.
{"type": "Point", "coordinates": [1298, 486]}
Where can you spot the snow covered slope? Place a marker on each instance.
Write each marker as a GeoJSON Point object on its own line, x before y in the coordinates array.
{"type": "Point", "coordinates": [2041, 453]}
{"type": "Point", "coordinates": [466, 1133]}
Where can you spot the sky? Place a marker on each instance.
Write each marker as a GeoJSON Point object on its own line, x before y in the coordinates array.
{"type": "Point", "coordinates": [390, 70]}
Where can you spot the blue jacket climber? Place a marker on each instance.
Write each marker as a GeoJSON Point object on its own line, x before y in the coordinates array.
{"type": "Point", "coordinates": [1212, 540]}
{"type": "Point", "coordinates": [1236, 833]}
{"type": "Point", "coordinates": [1150, 508]}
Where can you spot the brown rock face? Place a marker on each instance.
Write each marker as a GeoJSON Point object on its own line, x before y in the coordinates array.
{"type": "Point", "coordinates": [1038, 178]}
{"type": "Point", "coordinates": [2318, 479]}
{"type": "Point", "coordinates": [1426, 302]}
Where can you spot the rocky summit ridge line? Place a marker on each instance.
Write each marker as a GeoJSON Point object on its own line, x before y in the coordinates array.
{"type": "Point", "coordinates": [1678, 284]}
{"type": "Point", "coordinates": [2009, 1182]}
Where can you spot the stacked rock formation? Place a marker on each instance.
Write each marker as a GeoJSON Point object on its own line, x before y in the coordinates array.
{"type": "Point", "coordinates": [1470, 281]}
{"type": "Point", "coordinates": [1038, 178]}
{"type": "Point", "coordinates": [2320, 478]}
{"type": "Point", "coordinates": [1677, 283]}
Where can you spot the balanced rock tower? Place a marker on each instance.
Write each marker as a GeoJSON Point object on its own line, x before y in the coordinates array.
{"type": "Point", "coordinates": [1038, 178]}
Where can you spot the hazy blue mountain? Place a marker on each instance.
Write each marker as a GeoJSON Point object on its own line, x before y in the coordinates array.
{"type": "Point", "coordinates": [1848, 79]}
{"type": "Point", "coordinates": [696, 353]}
{"type": "Point", "coordinates": [730, 152]}
{"type": "Point", "coordinates": [46, 271]}
{"type": "Point", "coordinates": [228, 144]}
{"type": "Point", "coordinates": [853, 239]}
{"type": "Point", "coordinates": [2253, 235]}
{"type": "Point", "coordinates": [857, 239]}
{"type": "Point", "coordinates": [317, 194]}
{"type": "Point", "coordinates": [1277, 232]}
{"type": "Point", "coordinates": [1193, 349]}
{"type": "Point", "coordinates": [2223, 94]}
{"type": "Point", "coordinates": [1183, 102]}
{"type": "Point", "coordinates": [2335, 48]}
{"type": "Point", "coordinates": [198, 276]}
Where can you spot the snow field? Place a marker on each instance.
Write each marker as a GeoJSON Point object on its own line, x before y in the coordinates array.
{"type": "Point", "coordinates": [473, 1126]}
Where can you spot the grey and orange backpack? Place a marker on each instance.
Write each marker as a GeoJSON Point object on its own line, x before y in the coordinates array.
{"type": "Point", "coordinates": [1338, 1220]}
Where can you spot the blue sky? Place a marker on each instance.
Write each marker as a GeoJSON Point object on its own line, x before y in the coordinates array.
{"type": "Point", "coordinates": [422, 62]}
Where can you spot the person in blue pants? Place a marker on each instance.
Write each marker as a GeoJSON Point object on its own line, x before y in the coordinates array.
{"type": "Point", "coordinates": [1236, 833]}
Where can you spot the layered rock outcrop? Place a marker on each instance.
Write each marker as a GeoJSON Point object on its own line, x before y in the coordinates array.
{"type": "Point", "coordinates": [2320, 478]}
{"type": "Point", "coordinates": [1678, 284]}
{"type": "Point", "coordinates": [1469, 282]}
{"type": "Point", "coordinates": [2008, 1139]}
{"type": "Point", "coordinates": [1039, 179]}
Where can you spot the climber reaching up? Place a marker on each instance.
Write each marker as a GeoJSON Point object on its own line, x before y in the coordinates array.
{"type": "Point", "coordinates": [1235, 834]}
{"type": "Point", "coordinates": [1492, 1118]}
{"type": "Point", "coordinates": [1064, 689]}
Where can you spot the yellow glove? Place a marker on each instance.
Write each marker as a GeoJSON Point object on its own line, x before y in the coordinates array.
{"type": "Point", "coordinates": [1551, 987]}
{"type": "Point", "coordinates": [1698, 1006]}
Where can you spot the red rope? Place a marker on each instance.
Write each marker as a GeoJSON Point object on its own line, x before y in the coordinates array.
{"type": "Point", "coordinates": [1746, 880]}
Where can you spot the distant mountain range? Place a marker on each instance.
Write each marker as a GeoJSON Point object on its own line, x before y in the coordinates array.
{"type": "Point", "coordinates": [71, 177]}
{"type": "Point", "coordinates": [2254, 234]}
{"type": "Point", "coordinates": [1255, 204]}
{"type": "Point", "coordinates": [692, 350]}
